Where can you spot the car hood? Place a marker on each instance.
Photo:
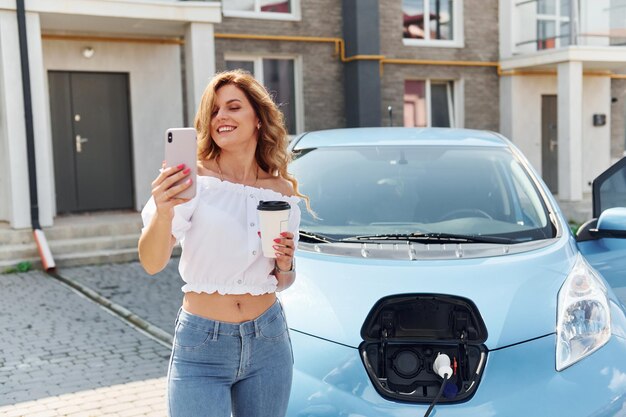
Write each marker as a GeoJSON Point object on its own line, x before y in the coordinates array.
{"type": "Point", "coordinates": [516, 295]}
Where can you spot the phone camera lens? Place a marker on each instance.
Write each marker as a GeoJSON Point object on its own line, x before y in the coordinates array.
{"type": "Point", "coordinates": [169, 137]}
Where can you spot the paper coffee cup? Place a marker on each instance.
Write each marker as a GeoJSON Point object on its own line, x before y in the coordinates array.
{"type": "Point", "coordinates": [273, 220]}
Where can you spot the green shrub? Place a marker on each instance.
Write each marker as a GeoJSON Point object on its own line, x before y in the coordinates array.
{"type": "Point", "coordinates": [574, 226]}
{"type": "Point", "coordinates": [20, 267]}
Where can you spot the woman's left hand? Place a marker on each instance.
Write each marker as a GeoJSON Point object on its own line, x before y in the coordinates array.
{"type": "Point", "coordinates": [284, 247]}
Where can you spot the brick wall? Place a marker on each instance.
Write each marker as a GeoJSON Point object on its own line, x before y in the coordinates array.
{"type": "Point", "coordinates": [322, 77]}
{"type": "Point", "coordinates": [481, 104]}
{"type": "Point", "coordinates": [480, 23]}
{"type": "Point", "coordinates": [319, 18]}
{"type": "Point", "coordinates": [481, 86]}
{"type": "Point", "coordinates": [322, 72]}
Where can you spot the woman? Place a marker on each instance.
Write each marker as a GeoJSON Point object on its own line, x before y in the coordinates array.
{"type": "Point", "coordinates": [232, 350]}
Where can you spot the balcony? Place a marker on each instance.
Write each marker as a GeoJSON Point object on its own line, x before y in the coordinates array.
{"type": "Point", "coordinates": [128, 17]}
{"type": "Point", "coordinates": [554, 24]}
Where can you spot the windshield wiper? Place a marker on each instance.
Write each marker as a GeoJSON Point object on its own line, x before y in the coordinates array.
{"type": "Point", "coordinates": [315, 237]}
{"type": "Point", "coordinates": [432, 237]}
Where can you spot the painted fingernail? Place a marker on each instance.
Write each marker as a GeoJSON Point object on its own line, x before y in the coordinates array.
{"type": "Point", "coordinates": [187, 171]}
{"type": "Point", "coordinates": [189, 181]}
{"type": "Point", "coordinates": [278, 254]}
{"type": "Point", "coordinates": [283, 234]}
{"type": "Point", "coordinates": [259, 233]}
{"type": "Point", "coordinates": [277, 240]}
{"type": "Point", "coordinates": [276, 247]}
{"type": "Point", "coordinates": [181, 166]}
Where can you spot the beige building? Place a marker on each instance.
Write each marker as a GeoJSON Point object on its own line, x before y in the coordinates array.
{"type": "Point", "coordinates": [88, 57]}
{"type": "Point", "coordinates": [562, 87]}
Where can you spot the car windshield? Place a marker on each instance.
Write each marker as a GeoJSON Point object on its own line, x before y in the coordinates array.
{"type": "Point", "coordinates": [400, 192]}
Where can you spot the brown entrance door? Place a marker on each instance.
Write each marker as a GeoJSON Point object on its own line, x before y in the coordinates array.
{"type": "Point", "coordinates": [549, 143]}
{"type": "Point", "coordinates": [91, 140]}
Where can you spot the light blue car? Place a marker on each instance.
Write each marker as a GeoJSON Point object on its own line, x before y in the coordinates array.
{"type": "Point", "coordinates": [438, 269]}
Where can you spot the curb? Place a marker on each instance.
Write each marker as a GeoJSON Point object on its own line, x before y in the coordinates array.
{"type": "Point", "coordinates": [162, 336]}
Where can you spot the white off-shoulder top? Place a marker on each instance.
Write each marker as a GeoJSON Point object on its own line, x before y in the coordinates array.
{"type": "Point", "coordinates": [218, 232]}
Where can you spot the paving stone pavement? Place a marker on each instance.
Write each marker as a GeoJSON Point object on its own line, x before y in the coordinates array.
{"type": "Point", "coordinates": [155, 298]}
{"type": "Point", "coordinates": [62, 354]}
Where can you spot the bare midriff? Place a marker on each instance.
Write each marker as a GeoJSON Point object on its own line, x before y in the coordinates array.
{"type": "Point", "coordinates": [232, 308]}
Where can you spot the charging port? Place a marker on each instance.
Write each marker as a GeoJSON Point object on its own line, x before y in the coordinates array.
{"type": "Point", "coordinates": [408, 338]}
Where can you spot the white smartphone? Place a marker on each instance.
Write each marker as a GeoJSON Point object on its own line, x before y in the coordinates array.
{"type": "Point", "coordinates": [181, 147]}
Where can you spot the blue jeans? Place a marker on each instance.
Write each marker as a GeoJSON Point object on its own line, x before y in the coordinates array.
{"type": "Point", "coordinates": [217, 367]}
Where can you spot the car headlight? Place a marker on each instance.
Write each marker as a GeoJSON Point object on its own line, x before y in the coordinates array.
{"type": "Point", "coordinates": [583, 321]}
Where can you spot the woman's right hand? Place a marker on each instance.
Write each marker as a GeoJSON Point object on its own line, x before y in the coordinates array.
{"type": "Point", "coordinates": [165, 191]}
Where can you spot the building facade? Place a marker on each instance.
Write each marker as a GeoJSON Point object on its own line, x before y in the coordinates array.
{"type": "Point", "coordinates": [562, 84]}
{"type": "Point", "coordinates": [108, 77]}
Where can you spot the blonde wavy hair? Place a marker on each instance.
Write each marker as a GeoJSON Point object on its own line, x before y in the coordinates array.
{"type": "Point", "coordinates": [271, 151]}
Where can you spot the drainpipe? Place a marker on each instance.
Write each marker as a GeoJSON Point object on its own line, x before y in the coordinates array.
{"type": "Point", "coordinates": [40, 239]}
{"type": "Point", "coordinates": [361, 24]}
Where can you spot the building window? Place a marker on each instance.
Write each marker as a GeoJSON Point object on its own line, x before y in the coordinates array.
{"type": "Point", "coordinates": [434, 22]}
{"type": "Point", "coordinates": [553, 23]}
{"type": "Point", "coordinates": [279, 76]}
{"type": "Point", "coordinates": [429, 103]}
{"type": "Point", "coordinates": [262, 9]}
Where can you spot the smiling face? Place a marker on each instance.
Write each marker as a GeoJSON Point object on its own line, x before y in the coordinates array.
{"type": "Point", "coordinates": [233, 119]}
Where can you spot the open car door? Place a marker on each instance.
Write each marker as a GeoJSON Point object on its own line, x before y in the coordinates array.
{"type": "Point", "coordinates": [602, 240]}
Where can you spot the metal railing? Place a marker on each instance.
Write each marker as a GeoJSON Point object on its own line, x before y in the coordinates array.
{"type": "Point", "coordinates": [547, 24]}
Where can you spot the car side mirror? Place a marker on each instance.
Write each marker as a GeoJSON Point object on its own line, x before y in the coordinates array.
{"type": "Point", "coordinates": [609, 188]}
{"type": "Point", "coordinates": [611, 223]}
